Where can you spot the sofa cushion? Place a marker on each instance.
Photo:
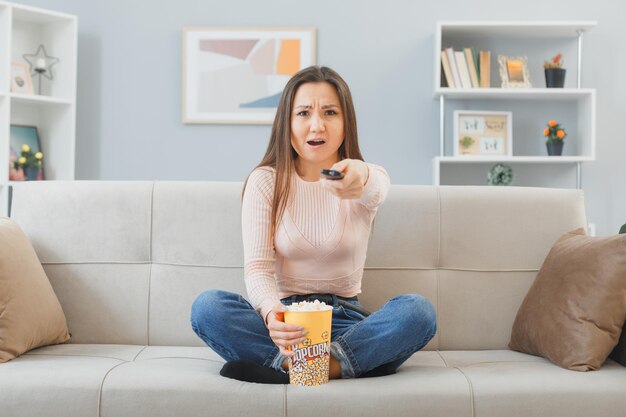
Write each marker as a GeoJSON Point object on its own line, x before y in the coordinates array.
{"type": "Point", "coordinates": [30, 313]}
{"type": "Point", "coordinates": [178, 380]}
{"type": "Point", "coordinates": [122, 380]}
{"type": "Point", "coordinates": [574, 311]}
{"type": "Point", "coordinates": [53, 385]}
{"type": "Point", "coordinates": [540, 388]}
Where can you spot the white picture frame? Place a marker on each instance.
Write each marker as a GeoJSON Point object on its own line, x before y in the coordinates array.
{"type": "Point", "coordinates": [235, 75]}
{"type": "Point", "coordinates": [21, 80]}
{"type": "Point", "coordinates": [490, 133]}
{"type": "Point", "coordinates": [514, 71]}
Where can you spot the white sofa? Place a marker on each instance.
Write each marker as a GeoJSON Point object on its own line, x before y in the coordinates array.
{"type": "Point", "coordinates": [127, 259]}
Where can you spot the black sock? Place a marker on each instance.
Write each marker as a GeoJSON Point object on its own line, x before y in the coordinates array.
{"type": "Point", "coordinates": [382, 370]}
{"type": "Point", "coordinates": [249, 371]}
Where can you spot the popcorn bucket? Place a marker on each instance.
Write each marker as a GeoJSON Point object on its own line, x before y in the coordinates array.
{"type": "Point", "coordinates": [311, 363]}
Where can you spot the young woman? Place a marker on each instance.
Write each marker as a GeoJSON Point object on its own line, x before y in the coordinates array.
{"type": "Point", "coordinates": [305, 238]}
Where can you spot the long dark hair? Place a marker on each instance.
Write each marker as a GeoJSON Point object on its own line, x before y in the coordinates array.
{"type": "Point", "coordinates": [280, 155]}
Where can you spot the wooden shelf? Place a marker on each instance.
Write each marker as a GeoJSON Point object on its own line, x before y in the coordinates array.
{"type": "Point", "coordinates": [53, 113]}
{"type": "Point", "coordinates": [28, 14]}
{"type": "Point", "coordinates": [37, 99]}
{"type": "Point", "coordinates": [538, 40]}
{"type": "Point", "coordinates": [513, 159]}
{"type": "Point", "coordinates": [513, 93]}
{"type": "Point", "coordinates": [517, 29]}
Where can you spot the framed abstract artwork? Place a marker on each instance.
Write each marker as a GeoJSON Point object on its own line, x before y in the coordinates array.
{"type": "Point", "coordinates": [30, 170]}
{"type": "Point", "coordinates": [236, 75]}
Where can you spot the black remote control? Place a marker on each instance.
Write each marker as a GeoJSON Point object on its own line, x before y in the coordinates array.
{"type": "Point", "coordinates": [331, 174]}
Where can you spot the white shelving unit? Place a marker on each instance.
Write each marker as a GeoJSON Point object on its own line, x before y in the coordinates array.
{"type": "Point", "coordinates": [22, 30]}
{"type": "Point", "coordinates": [573, 105]}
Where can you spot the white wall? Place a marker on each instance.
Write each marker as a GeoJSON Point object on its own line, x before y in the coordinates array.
{"type": "Point", "coordinates": [129, 86]}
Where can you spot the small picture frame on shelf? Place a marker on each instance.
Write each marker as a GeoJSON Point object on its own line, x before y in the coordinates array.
{"type": "Point", "coordinates": [20, 136]}
{"type": "Point", "coordinates": [21, 81]}
{"type": "Point", "coordinates": [514, 71]}
{"type": "Point", "coordinates": [483, 133]}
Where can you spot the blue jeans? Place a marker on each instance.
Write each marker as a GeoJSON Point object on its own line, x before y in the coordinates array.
{"type": "Point", "coordinates": [230, 326]}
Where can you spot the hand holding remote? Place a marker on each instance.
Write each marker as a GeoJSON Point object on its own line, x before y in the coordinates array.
{"type": "Point", "coordinates": [355, 175]}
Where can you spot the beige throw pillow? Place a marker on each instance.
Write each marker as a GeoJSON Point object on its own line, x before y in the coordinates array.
{"type": "Point", "coordinates": [30, 313]}
{"type": "Point", "coordinates": [574, 311]}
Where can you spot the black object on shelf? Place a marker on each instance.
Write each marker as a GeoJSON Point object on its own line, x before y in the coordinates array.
{"type": "Point", "coordinates": [555, 77]}
{"type": "Point", "coordinates": [555, 148]}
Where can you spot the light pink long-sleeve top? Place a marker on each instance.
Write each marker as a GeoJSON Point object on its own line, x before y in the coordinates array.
{"type": "Point", "coordinates": [320, 243]}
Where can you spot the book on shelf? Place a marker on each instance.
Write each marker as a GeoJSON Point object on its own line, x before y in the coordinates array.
{"type": "Point", "coordinates": [471, 64]}
{"type": "Point", "coordinates": [485, 68]}
{"type": "Point", "coordinates": [461, 64]}
{"type": "Point", "coordinates": [466, 69]}
{"type": "Point", "coordinates": [447, 71]}
{"type": "Point", "coordinates": [453, 67]}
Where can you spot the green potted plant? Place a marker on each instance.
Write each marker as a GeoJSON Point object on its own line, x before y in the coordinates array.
{"type": "Point", "coordinates": [555, 135]}
{"type": "Point", "coordinates": [555, 74]}
{"type": "Point", "coordinates": [500, 174]}
{"type": "Point", "coordinates": [465, 143]}
{"type": "Point", "coordinates": [30, 163]}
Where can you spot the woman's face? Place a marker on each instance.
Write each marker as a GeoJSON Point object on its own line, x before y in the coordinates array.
{"type": "Point", "coordinates": [317, 129]}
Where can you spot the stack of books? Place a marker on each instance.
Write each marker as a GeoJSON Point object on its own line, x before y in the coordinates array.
{"type": "Point", "coordinates": [465, 69]}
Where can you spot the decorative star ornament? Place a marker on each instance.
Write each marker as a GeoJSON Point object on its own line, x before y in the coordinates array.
{"type": "Point", "coordinates": [41, 63]}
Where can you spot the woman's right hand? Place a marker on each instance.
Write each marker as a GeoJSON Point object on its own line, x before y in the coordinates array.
{"type": "Point", "coordinates": [283, 335]}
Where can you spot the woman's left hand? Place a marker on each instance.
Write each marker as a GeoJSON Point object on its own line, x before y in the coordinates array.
{"type": "Point", "coordinates": [356, 173]}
